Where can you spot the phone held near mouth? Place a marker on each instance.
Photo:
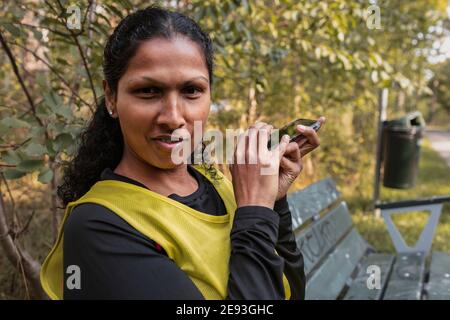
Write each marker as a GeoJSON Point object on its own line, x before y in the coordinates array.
{"type": "Point", "coordinates": [290, 129]}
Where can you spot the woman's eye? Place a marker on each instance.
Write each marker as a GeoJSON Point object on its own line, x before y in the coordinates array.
{"type": "Point", "coordinates": [147, 91]}
{"type": "Point", "coordinates": [193, 91]}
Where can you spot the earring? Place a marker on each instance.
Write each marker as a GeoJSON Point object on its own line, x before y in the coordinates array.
{"type": "Point", "coordinates": [110, 112]}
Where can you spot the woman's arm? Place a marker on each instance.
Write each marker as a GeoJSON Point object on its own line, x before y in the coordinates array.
{"type": "Point", "coordinates": [256, 271]}
{"type": "Point", "coordinates": [287, 248]}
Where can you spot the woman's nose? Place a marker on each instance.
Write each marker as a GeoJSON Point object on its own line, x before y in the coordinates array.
{"type": "Point", "coordinates": [171, 113]}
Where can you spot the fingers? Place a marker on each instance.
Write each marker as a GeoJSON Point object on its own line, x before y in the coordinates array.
{"type": "Point", "coordinates": [252, 151]}
{"type": "Point", "coordinates": [322, 120]}
{"type": "Point", "coordinates": [290, 165]}
{"type": "Point", "coordinates": [252, 144]}
{"type": "Point", "coordinates": [252, 148]}
{"type": "Point", "coordinates": [307, 148]}
{"type": "Point", "coordinates": [310, 134]}
{"type": "Point", "coordinates": [310, 139]}
{"type": "Point", "coordinates": [264, 155]}
{"type": "Point", "coordinates": [239, 153]}
{"type": "Point", "coordinates": [259, 125]}
{"type": "Point", "coordinates": [292, 160]}
{"type": "Point", "coordinates": [292, 152]}
{"type": "Point", "coordinates": [282, 147]}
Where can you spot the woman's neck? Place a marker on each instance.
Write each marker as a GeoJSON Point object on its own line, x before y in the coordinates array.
{"type": "Point", "coordinates": [163, 181]}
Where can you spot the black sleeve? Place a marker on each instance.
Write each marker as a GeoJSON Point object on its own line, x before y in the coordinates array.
{"type": "Point", "coordinates": [256, 271]}
{"type": "Point", "coordinates": [287, 248]}
{"type": "Point", "coordinates": [118, 262]}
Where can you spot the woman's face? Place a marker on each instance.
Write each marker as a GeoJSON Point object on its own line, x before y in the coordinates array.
{"type": "Point", "coordinates": [165, 87]}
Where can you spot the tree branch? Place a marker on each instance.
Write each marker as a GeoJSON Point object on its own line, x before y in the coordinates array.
{"type": "Point", "coordinates": [19, 78]}
{"type": "Point", "coordinates": [77, 44]}
{"type": "Point", "coordinates": [62, 34]}
{"type": "Point", "coordinates": [14, 146]}
{"type": "Point", "coordinates": [55, 73]}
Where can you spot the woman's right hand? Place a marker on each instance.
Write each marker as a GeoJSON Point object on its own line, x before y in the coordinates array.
{"type": "Point", "coordinates": [255, 168]}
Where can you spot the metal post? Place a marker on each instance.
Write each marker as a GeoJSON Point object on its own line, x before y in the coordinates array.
{"type": "Point", "coordinates": [382, 115]}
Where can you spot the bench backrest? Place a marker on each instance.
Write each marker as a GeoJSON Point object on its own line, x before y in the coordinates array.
{"type": "Point", "coordinates": [325, 234]}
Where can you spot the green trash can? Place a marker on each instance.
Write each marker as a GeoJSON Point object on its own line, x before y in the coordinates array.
{"type": "Point", "coordinates": [402, 139]}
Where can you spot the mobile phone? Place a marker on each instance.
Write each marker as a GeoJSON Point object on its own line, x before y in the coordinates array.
{"type": "Point", "coordinates": [290, 129]}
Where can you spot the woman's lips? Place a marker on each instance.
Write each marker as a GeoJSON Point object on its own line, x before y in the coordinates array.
{"type": "Point", "coordinates": [169, 146]}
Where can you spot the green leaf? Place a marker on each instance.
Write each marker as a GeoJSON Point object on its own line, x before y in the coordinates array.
{"type": "Point", "coordinates": [37, 34]}
{"type": "Point", "coordinates": [42, 110]}
{"type": "Point", "coordinates": [45, 176]}
{"type": "Point", "coordinates": [11, 174]}
{"type": "Point", "coordinates": [59, 128]}
{"type": "Point", "coordinates": [3, 129]}
{"type": "Point", "coordinates": [62, 141]}
{"type": "Point", "coordinates": [11, 157]}
{"type": "Point", "coordinates": [374, 76]}
{"type": "Point", "coordinates": [12, 122]}
{"type": "Point", "coordinates": [30, 165]}
{"type": "Point", "coordinates": [75, 130]}
{"type": "Point", "coordinates": [50, 100]}
{"type": "Point", "coordinates": [12, 29]}
{"type": "Point", "coordinates": [37, 132]}
{"type": "Point", "coordinates": [41, 79]}
{"type": "Point", "coordinates": [34, 149]}
{"type": "Point", "coordinates": [65, 112]}
{"type": "Point", "coordinates": [53, 101]}
{"type": "Point", "coordinates": [62, 61]}
{"type": "Point", "coordinates": [50, 150]}
{"type": "Point", "coordinates": [18, 12]}
{"type": "Point", "coordinates": [71, 149]}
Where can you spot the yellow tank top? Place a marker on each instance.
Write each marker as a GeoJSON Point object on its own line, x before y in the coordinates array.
{"type": "Point", "coordinates": [199, 243]}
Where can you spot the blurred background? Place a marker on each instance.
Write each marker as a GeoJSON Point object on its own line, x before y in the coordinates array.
{"type": "Point", "coordinates": [275, 61]}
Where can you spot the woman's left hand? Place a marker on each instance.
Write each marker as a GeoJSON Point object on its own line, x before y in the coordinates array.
{"type": "Point", "coordinates": [291, 163]}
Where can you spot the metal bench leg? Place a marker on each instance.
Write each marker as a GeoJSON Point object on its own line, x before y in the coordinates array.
{"type": "Point", "coordinates": [426, 237]}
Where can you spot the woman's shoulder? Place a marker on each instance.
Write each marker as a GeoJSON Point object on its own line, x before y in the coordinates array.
{"type": "Point", "coordinates": [91, 221]}
{"type": "Point", "coordinates": [88, 214]}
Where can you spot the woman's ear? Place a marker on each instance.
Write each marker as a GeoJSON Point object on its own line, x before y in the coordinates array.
{"type": "Point", "coordinates": [109, 99]}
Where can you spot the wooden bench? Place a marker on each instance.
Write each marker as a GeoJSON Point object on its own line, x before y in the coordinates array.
{"type": "Point", "coordinates": [339, 262]}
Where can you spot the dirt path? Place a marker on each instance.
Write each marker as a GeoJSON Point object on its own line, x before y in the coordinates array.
{"type": "Point", "coordinates": [440, 141]}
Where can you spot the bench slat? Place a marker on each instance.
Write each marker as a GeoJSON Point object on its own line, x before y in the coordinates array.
{"type": "Point", "coordinates": [407, 277]}
{"type": "Point", "coordinates": [322, 236]}
{"type": "Point", "coordinates": [306, 203]}
{"type": "Point", "coordinates": [438, 287]}
{"type": "Point", "coordinates": [359, 289]}
{"type": "Point", "coordinates": [328, 281]}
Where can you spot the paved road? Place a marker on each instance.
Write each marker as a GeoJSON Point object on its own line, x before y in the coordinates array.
{"type": "Point", "coordinates": [440, 141]}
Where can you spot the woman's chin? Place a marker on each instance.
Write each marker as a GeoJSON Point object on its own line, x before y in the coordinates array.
{"type": "Point", "coordinates": [165, 160]}
{"type": "Point", "coordinates": [173, 152]}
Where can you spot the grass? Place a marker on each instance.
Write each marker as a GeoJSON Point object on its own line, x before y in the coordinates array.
{"type": "Point", "coordinates": [433, 179]}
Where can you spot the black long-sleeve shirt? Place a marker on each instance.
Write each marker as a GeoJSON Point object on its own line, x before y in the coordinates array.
{"type": "Point", "coordinates": [119, 262]}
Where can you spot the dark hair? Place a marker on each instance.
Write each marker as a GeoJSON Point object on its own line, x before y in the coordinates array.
{"type": "Point", "coordinates": [101, 142]}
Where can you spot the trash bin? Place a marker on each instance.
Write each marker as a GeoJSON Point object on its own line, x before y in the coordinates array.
{"type": "Point", "coordinates": [402, 138]}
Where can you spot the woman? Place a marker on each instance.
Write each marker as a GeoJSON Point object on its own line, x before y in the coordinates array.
{"type": "Point", "coordinates": [138, 226]}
